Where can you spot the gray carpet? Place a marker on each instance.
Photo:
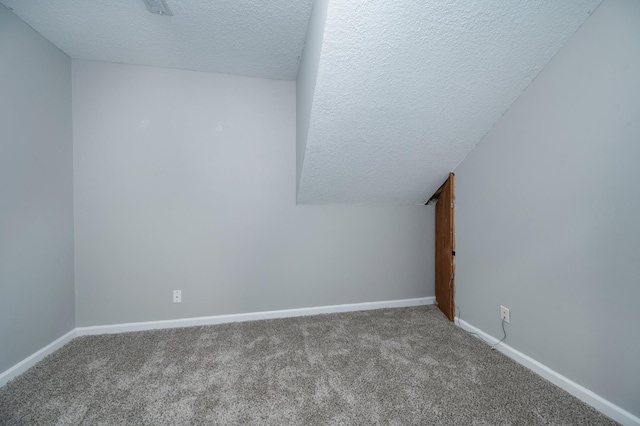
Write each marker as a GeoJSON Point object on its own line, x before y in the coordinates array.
{"type": "Point", "coordinates": [390, 366]}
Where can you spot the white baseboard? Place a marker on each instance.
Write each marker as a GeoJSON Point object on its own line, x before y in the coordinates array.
{"type": "Point", "coordinates": [29, 362]}
{"type": "Point", "coordinates": [599, 403]}
{"type": "Point", "coordinates": [36, 357]}
{"type": "Point", "coordinates": [606, 407]}
{"type": "Point", "coordinates": [252, 316]}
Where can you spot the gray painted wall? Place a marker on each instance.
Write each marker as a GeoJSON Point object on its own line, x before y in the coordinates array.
{"type": "Point", "coordinates": [36, 204]}
{"type": "Point", "coordinates": [186, 180]}
{"type": "Point", "coordinates": [548, 213]}
{"type": "Point", "coordinates": [306, 81]}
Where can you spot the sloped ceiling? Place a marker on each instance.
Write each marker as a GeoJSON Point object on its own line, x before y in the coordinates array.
{"type": "Point", "coordinates": [405, 89]}
{"type": "Point", "coordinates": [244, 37]}
{"type": "Point", "coordinates": [392, 95]}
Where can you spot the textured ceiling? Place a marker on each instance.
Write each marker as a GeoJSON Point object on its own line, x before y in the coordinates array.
{"type": "Point", "coordinates": [256, 38]}
{"type": "Point", "coordinates": [401, 90]}
{"type": "Point", "coordinates": [405, 89]}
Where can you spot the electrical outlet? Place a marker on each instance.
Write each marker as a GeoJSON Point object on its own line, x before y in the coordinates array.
{"type": "Point", "coordinates": [504, 314]}
{"type": "Point", "coordinates": [177, 296]}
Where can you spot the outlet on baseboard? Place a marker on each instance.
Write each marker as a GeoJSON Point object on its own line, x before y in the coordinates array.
{"type": "Point", "coordinates": [177, 296]}
{"type": "Point", "coordinates": [504, 314]}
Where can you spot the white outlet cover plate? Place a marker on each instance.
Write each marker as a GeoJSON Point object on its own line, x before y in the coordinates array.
{"type": "Point", "coordinates": [504, 314]}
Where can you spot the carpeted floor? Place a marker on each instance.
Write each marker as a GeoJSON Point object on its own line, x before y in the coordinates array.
{"type": "Point", "coordinates": [391, 366]}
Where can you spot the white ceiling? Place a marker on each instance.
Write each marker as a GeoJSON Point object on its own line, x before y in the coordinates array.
{"type": "Point", "coordinates": [256, 38]}
{"type": "Point", "coordinates": [405, 89]}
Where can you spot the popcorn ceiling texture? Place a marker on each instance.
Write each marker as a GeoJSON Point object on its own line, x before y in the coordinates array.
{"type": "Point", "coordinates": [255, 38]}
{"type": "Point", "coordinates": [406, 89]}
{"type": "Point", "coordinates": [403, 91]}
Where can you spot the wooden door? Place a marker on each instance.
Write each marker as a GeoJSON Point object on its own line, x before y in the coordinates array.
{"type": "Point", "coordinates": [446, 248]}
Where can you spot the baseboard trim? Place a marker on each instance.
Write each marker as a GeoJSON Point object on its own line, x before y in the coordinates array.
{"type": "Point", "coordinates": [252, 316]}
{"type": "Point", "coordinates": [33, 359]}
{"type": "Point", "coordinates": [596, 401]}
{"type": "Point", "coordinates": [36, 357]}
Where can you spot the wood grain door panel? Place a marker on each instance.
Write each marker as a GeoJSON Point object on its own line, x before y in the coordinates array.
{"type": "Point", "coordinates": [445, 248]}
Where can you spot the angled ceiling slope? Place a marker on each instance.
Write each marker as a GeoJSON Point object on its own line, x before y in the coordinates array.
{"type": "Point", "coordinates": [254, 38]}
{"type": "Point", "coordinates": [392, 95]}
